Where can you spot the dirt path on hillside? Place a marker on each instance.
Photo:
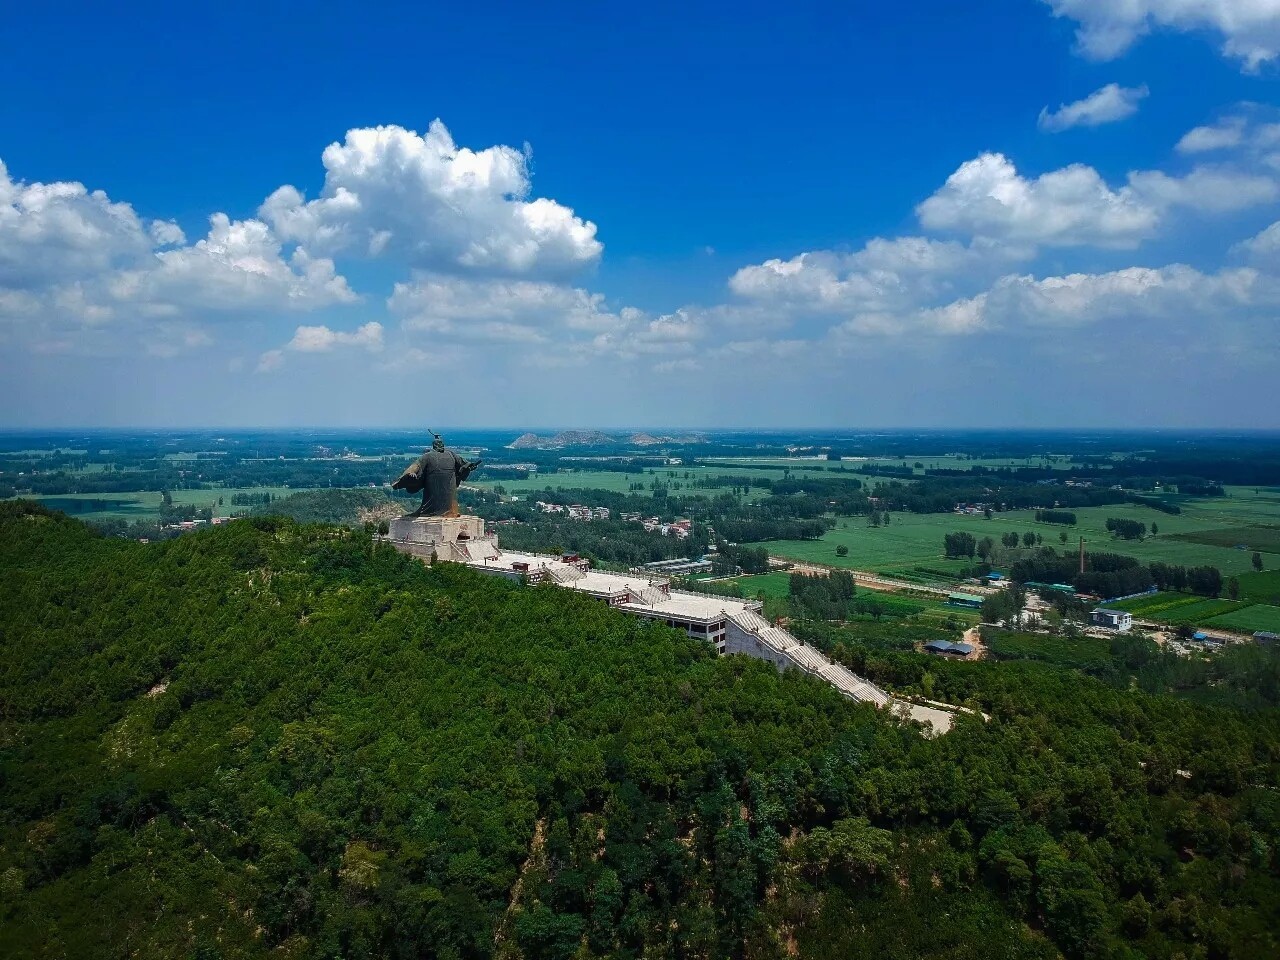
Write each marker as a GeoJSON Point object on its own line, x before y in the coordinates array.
{"type": "Point", "coordinates": [534, 861]}
{"type": "Point", "coordinates": [973, 637]}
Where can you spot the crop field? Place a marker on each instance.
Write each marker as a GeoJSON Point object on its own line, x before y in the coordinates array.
{"type": "Point", "coordinates": [1177, 609]}
{"type": "Point", "coordinates": [1153, 604]}
{"type": "Point", "coordinates": [1263, 587]}
{"type": "Point", "coordinates": [910, 539]}
{"type": "Point", "coordinates": [918, 464]}
{"type": "Point", "coordinates": [770, 584]}
{"type": "Point", "coordinates": [1258, 616]}
{"type": "Point", "coordinates": [777, 586]}
{"type": "Point", "coordinates": [564, 479]}
{"type": "Point", "coordinates": [621, 482]}
{"type": "Point", "coordinates": [916, 539]}
{"type": "Point", "coordinates": [1249, 537]}
{"type": "Point", "coordinates": [1202, 611]}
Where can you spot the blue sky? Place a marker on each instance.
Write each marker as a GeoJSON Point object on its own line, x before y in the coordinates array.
{"type": "Point", "coordinates": [1011, 213]}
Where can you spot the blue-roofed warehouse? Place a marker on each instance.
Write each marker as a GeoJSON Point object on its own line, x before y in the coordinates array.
{"type": "Point", "coordinates": [947, 648]}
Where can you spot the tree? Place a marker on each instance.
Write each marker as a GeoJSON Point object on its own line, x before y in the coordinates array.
{"type": "Point", "coordinates": [1233, 588]}
{"type": "Point", "coordinates": [985, 546]}
{"type": "Point", "coordinates": [1155, 528]}
{"type": "Point", "coordinates": [1257, 561]}
{"type": "Point", "coordinates": [852, 846]}
{"type": "Point", "coordinates": [986, 512]}
{"type": "Point", "coordinates": [1126, 529]}
{"type": "Point", "coordinates": [959, 545]}
{"type": "Point", "coordinates": [1206, 581]}
{"type": "Point", "coordinates": [543, 933]}
{"type": "Point", "coordinates": [1028, 539]}
{"type": "Point", "coordinates": [606, 906]}
{"type": "Point", "coordinates": [1062, 536]}
{"type": "Point", "coordinates": [842, 551]}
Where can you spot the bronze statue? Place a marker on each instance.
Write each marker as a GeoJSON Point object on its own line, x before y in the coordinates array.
{"type": "Point", "coordinates": [437, 474]}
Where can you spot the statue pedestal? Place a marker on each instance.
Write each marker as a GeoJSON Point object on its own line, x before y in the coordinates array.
{"type": "Point", "coordinates": [462, 539]}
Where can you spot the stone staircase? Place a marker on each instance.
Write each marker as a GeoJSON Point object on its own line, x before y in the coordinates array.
{"type": "Point", "coordinates": [563, 573]}
{"type": "Point", "coordinates": [479, 551]}
{"type": "Point", "coordinates": [810, 660]}
{"type": "Point", "coordinates": [647, 595]}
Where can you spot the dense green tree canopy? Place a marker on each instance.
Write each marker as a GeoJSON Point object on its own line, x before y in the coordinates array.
{"type": "Point", "coordinates": [268, 738]}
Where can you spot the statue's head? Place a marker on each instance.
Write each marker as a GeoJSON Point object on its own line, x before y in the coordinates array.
{"type": "Point", "coordinates": [437, 443]}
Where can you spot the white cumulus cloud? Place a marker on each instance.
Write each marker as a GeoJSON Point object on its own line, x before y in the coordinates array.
{"type": "Point", "coordinates": [1072, 206]}
{"type": "Point", "coordinates": [323, 339]}
{"type": "Point", "coordinates": [885, 275]}
{"type": "Point", "coordinates": [389, 191]}
{"type": "Point", "coordinates": [320, 339]}
{"type": "Point", "coordinates": [73, 259]}
{"type": "Point", "coordinates": [1210, 190]}
{"type": "Point", "coordinates": [1226, 133]}
{"type": "Point", "coordinates": [61, 232]}
{"type": "Point", "coordinates": [1106, 105]}
{"type": "Point", "coordinates": [499, 309]}
{"type": "Point", "coordinates": [1250, 29]}
{"type": "Point", "coordinates": [988, 198]}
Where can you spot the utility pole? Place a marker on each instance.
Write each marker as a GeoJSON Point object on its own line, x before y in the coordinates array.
{"type": "Point", "coordinates": [1082, 554]}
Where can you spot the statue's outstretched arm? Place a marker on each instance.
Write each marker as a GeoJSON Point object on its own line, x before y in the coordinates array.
{"type": "Point", "coordinates": [410, 480]}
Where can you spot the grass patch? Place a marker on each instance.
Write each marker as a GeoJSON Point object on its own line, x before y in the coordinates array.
{"type": "Point", "coordinates": [1265, 539]}
{"type": "Point", "coordinates": [1154, 603]}
{"type": "Point", "coordinates": [1196, 613]}
{"type": "Point", "coordinates": [915, 540]}
{"type": "Point", "coordinates": [1257, 616]}
{"type": "Point", "coordinates": [774, 585]}
{"type": "Point", "coordinates": [1182, 608]}
{"type": "Point", "coordinates": [1263, 587]}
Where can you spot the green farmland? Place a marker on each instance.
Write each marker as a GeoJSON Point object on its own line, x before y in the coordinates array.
{"type": "Point", "coordinates": [618, 482]}
{"type": "Point", "coordinates": [1261, 587]}
{"type": "Point", "coordinates": [1182, 609]}
{"type": "Point", "coordinates": [916, 539]}
{"type": "Point", "coordinates": [918, 464]}
{"type": "Point", "coordinates": [1259, 616]}
{"type": "Point", "coordinates": [777, 586]}
{"type": "Point", "coordinates": [1247, 537]}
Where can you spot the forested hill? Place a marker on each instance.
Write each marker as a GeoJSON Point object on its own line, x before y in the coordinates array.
{"type": "Point", "coordinates": [272, 739]}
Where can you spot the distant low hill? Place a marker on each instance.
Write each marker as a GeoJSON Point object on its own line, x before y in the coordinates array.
{"type": "Point", "coordinates": [565, 438]}
{"type": "Point", "coordinates": [594, 438]}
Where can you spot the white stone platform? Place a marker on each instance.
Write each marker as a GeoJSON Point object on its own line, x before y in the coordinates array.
{"type": "Point", "coordinates": [461, 538]}
{"type": "Point", "coordinates": [411, 529]}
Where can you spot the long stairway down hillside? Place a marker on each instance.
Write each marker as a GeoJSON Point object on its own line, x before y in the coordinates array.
{"type": "Point", "coordinates": [813, 662]}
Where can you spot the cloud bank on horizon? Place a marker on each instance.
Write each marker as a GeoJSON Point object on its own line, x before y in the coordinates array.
{"type": "Point", "coordinates": [419, 259]}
